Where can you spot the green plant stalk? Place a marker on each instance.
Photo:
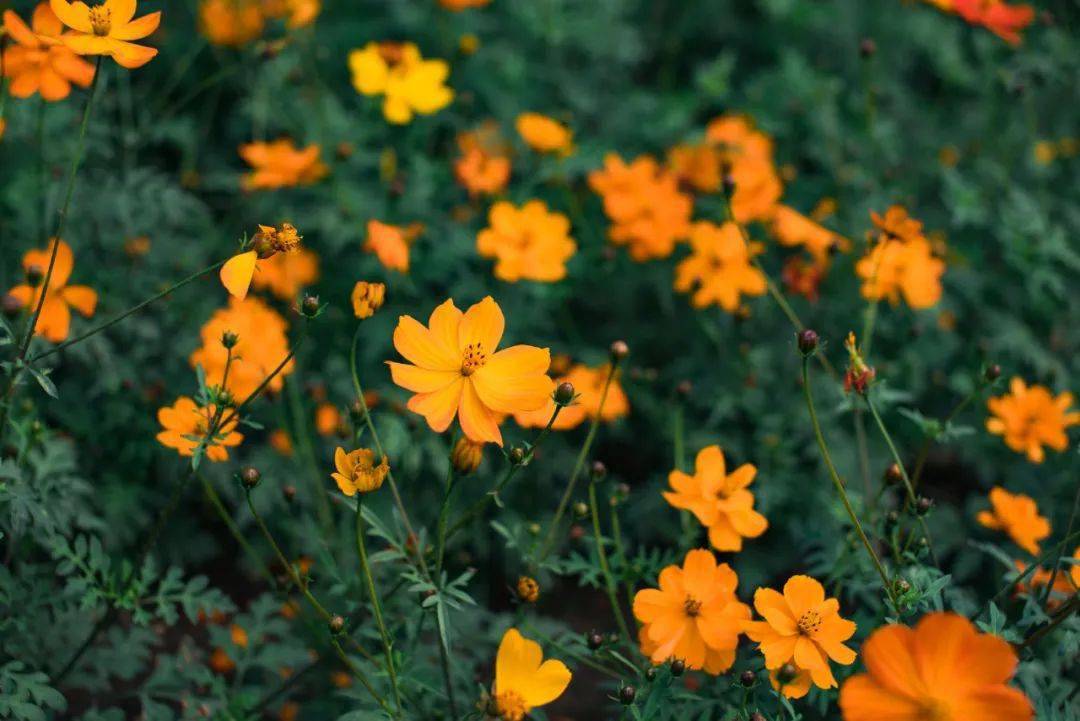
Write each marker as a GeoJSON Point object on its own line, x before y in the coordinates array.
{"type": "Point", "coordinates": [444, 662]}
{"type": "Point", "coordinates": [303, 443]}
{"type": "Point", "coordinates": [678, 434]}
{"type": "Point", "coordinates": [130, 311]}
{"type": "Point", "coordinates": [1060, 617]}
{"type": "Point", "coordinates": [218, 506]}
{"type": "Point", "coordinates": [1037, 564]}
{"type": "Point", "coordinates": [620, 553]}
{"type": "Point", "coordinates": [369, 580]}
{"type": "Point", "coordinates": [579, 464]}
{"type": "Point", "coordinates": [478, 507]}
{"type": "Point", "coordinates": [444, 515]}
{"type": "Point", "coordinates": [839, 485]}
{"type": "Point", "coordinates": [319, 608]}
{"type": "Point", "coordinates": [609, 580]}
{"type": "Point", "coordinates": [564, 651]}
{"type": "Point", "coordinates": [1057, 561]}
{"type": "Point", "coordinates": [903, 474]}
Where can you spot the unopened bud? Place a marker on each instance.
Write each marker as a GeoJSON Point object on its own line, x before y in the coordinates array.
{"type": "Point", "coordinates": [517, 455]}
{"type": "Point", "coordinates": [678, 666]}
{"type": "Point", "coordinates": [289, 492]}
{"type": "Point", "coordinates": [901, 586]}
{"type": "Point", "coordinates": [923, 505]}
{"type": "Point", "coordinates": [867, 47]}
{"type": "Point", "coordinates": [992, 372]}
{"type": "Point", "coordinates": [893, 474]}
{"type": "Point", "coordinates": [337, 625]}
{"type": "Point", "coordinates": [627, 694]}
{"type": "Point", "coordinates": [11, 305]}
{"type": "Point", "coordinates": [564, 394]}
{"type": "Point", "coordinates": [229, 339]}
{"type": "Point", "coordinates": [619, 351]}
{"type": "Point", "coordinates": [787, 673]}
{"type": "Point", "coordinates": [466, 456]}
{"type": "Point", "coordinates": [309, 306]}
{"type": "Point", "coordinates": [250, 476]}
{"type": "Point", "coordinates": [594, 641]}
{"type": "Point", "coordinates": [650, 674]}
{"type": "Point", "coordinates": [598, 470]}
{"type": "Point", "coordinates": [747, 678]}
{"type": "Point", "coordinates": [581, 510]}
{"type": "Point", "coordinates": [808, 341]}
{"type": "Point", "coordinates": [528, 590]}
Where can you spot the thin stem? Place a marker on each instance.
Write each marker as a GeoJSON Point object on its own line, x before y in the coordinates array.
{"type": "Point", "coordinates": [444, 662]}
{"type": "Point", "coordinates": [223, 513]}
{"type": "Point", "coordinates": [609, 580]}
{"type": "Point", "coordinates": [549, 542]}
{"type": "Point", "coordinates": [839, 485]}
{"type": "Point", "coordinates": [1060, 617]}
{"type": "Point", "coordinates": [903, 474]}
{"type": "Point", "coordinates": [1057, 561]}
{"type": "Point", "coordinates": [130, 311]}
{"type": "Point", "coordinates": [369, 580]}
{"type": "Point", "coordinates": [620, 553]}
{"type": "Point", "coordinates": [1034, 566]}
{"type": "Point", "coordinates": [303, 443]}
{"type": "Point", "coordinates": [444, 514]}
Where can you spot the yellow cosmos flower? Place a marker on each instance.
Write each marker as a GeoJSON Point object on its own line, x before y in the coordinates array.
{"type": "Point", "coordinates": [185, 424]}
{"type": "Point", "coordinates": [456, 371]}
{"type": "Point", "coordinates": [55, 319]}
{"type": "Point", "coordinates": [544, 134]}
{"type": "Point", "coordinates": [108, 29]}
{"type": "Point", "coordinates": [528, 243]}
{"type": "Point", "coordinates": [408, 83]}
{"type": "Point", "coordinates": [523, 680]}
{"type": "Point", "coordinates": [357, 471]}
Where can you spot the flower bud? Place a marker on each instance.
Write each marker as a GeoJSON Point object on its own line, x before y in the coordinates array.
{"type": "Point", "coordinates": [787, 673]}
{"type": "Point", "coordinates": [891, 519]}
{"type": "Point", "coordinates": [564, 394]}
{"type": "Point", "coordinates": [627, 694]}
{"type": "Point", "coordinates": [229, 339]}
{"type": "Point", "coordinates": [728, 184]}
{"type": "Point", "coordinates": [367, 298]}
{"type": "Point", "coordinates": [336, 624]}
{"type": "Point", "coordinates": [598, 471]}
{"type": "Point", "coordinates": [581, 510]}
{"type": "Point", "coordinates": [466, 456]}
{"type": "Point", "coordinates": [594, 641]}
{"type": "Point", "coordinates": [528, 590]}
{"type": "Point", "coordinates": [650, 674]}
{"type": "Point", "coordinates": [808, 341]}
{"type": "Point", "coordinates": [923, 505]}
{"type": "Point", "coordinates": [893, 474]}
{"type": "Point", "coordinates": [619, 351]}
{"type": "Point", "coordinates": [867, 47]}
{"type": "Point", "coordinates": [533, 528]}
{"type": "Point", "coordinates": [684, 389]}
{"type": "Point", "coordinates": [678, 666]}
{"type": "Point", "coordinates": [992, 372]}
{"type": "Point", "coordinates": [747, 678]}
{"type": "Point", "coordinates": [11, 305]}
{"type": "Point", "coordinates": [622, 492]}
{"type": "Point", "coordinates": [517, 455]}
{"type": "Point", "coordinates": [309, 306]}
{"type": "Point", "coordinates": [250, 476]}
{"type": "Point", "coordinates": [34, 275]}
{"type": "Point", "coordinates": [901, 586]}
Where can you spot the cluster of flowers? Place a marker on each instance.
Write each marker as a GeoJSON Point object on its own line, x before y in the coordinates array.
{"type": "Point", "coordinates": [235, 23]}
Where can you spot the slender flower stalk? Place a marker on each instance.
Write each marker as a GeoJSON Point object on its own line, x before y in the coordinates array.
{"type": "Point", "coordinates": [839, 485]}
{"type": "Point", "coordinates": [369, 580]}
{"type": "Point", "coordinates": [609, 580]}
{"type": "Point", "coordinates": [620, 551]}
{"type": "Point", "coordinates": [444, 513]}
{"type": "Point", "coordinates": [1057, 561]}
{"type": "Point", "coordinates": [219, 507]}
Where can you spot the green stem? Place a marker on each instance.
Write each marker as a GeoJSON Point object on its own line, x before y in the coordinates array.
{"type": "Point", "coordinates": [839, 485]}
{"type": "Point", "coordinates": [1034, 566]}
{"type": "Point", "coordinates": [609, 580]}
{"type": "Point", "coordinates": [1057, 561]}
{"type": "Point", "coordinates": [924, 451]}
{"type": "Point", "coordinates": [369, 580]}
{"type": "Point", "coordinates": [444, 662]}
{"type": "Point", "coordinates": [1060, 617]}
{"type": "Point", "coordinates": [579, 464]}
{"type": "Point", "coordinates": [223, 513]}
{"type": "Point", "coordinates": [903, 474]}
{"type": "Point", "coordinates": [444, 515]}
{"type": "Point", "coordinates": [130, 311]}
{"type": "Point", "coordinates": [303, 444]}
{"type": "Point", "coordinates": [620, 553]}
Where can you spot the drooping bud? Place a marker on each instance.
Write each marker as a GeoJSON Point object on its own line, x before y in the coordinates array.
{"type": "Point", "coordinates": [11, 305]}
{"type": "Point", "coordinates": [466, 456]}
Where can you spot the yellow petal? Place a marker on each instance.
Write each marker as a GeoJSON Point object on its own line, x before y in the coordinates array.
{"type": "Point", "coordinates": [237, 273]}
{"type": "Point", "coordinates": [75, 15]}
{"type": "Point", "coordinates": [138, 29]}
{"type": "Point", "coordinates": [482, 325]}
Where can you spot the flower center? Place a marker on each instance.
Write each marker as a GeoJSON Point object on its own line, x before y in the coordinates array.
{"type": "Point", "coordinates": [101, 20]}
{"type": "Point", "coordinates": [510, 706]}
{"type": "Point", "coordinates": [933, 710]}
{"type": "Point", "coordinates": [692, 606]}
{"type": "Point", "coordinates": [473, 359]}
{"type": "Point", "coordinates": [810, 622]}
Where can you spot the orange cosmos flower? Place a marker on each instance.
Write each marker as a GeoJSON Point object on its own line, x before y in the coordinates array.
{"type": "Point", "coordinates": [694, 616]}
{"type": "Point", "coordinates": [38, 61]}
{"type": "Point", "coordinates": [1030, 417]}
{"type": "Point", "coordinates": [792, 228]}
{"type": "Point", "coordinates": [589, 386]}
{"type": "Point", "coordinates": [185, 426]}
{"type": "Point", "coordinates": [529, 242]}
{"type": "Point", "coordinates": [261, 346]}
{"type": "Point", "coordinates": [720, 500]}
{"type": "Point", "coordinates": [803, 627]}
{"type": "Point", "coordinates": [239, 271]}
{"type": "Point", "coordinates": [297, 13]}
{"type": "Point", "coordinates": [523, 680]}
{"type": "Point", "coordinates": [718, 269]}
{"type": "Point", "coordinates": [484, 165]}
{"type": "Point", "coordinates": [748, 156]}
{"type": "Point", "coordinates": [108, 29]}
{"type": "Point", "coordinates": [1018, 516]}
{"type": "Point", "coordinates": [456, 370]}
{"type": "Point", "coordinates": [232, 23]}
{"type": "Point", "coordinates": [896, 267]}
{"type": "Point", "coordinates": [1004, 20]}
{"type": "Point", "coordinates": [647, 210]}
{"type": "Point", "coordinates": [367, 298]}
{"type": "Point", "coordinates": [459, 5]}
{"type": "Point", "coordinates": [55, 319]}
{"type": "Point", "coordinates": [408, 83]}
{"type": "Point", "coordinates": [544, 134]}
{"type": "Point", "coordinates": [280, 164]}
{"type": "Point", "coordinates": [358, 472]}
{"type": "Point", "coordinates": [896, 224]}
{"type": "Point", "coordinates": [941, 670]}
{"type": "Point", "coordinates": [697, 166]}
{"type": "Point", "coordinates": [390, 243]}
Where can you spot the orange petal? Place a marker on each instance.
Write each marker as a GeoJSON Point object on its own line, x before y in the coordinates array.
{"type": "Point", "coordinates": [237, 273]}
{"type": "Point", "coordinates": [138, 29]}
{"type": "Point", "coordinates": [477, 421]}
{"type": "Point", "coordinates": [421, 380]}
{"type": "Point", "coordinates": [423, 348]}
{"type": "Point", "coordinates": [439, 407]}
{"type": "Point", "coordinates": [483, 324]}
{"type": "Point", "coordinates": [81, 298]}
{"type": "Point", "coordinates": [75, 15]}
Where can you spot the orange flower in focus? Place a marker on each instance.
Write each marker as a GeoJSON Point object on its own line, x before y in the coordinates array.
{"type": "Point", "coordinates": [944, 669]}
{"type": "Point", "coordinates": [286, 274]}
{"type": "Point", "coordinates": [456, 370]}
{"type": "Point", "coordinates": [1018, 516]}
{"type": "Point", "coordinates": [901, 265]}
{"type": "Point", "coordinates": [589, 386]}
{"type": "Point", "coordinates": [803, 627]}
{"type": "Point", "coordinates": [720, 500]}
{"type": "Point", "coordinates": [1004, 20]}
{"type": "Point", "coordinates": [748, 155]}
{"type": "Point", "coordinates": [484, 165]}
{"type": "Point", "coordinates": [357, 471]}
{"type": "Point", "coordinates": [544, 134]}
{"type": "Point", "coordinates": [108, 29]}
{"type": "Point", "coordinates": [38, 61]}
{"type": "Point", "coordinates": [459, 5]}
{"type": "Point", "coordinates": [232, 23]}
{"type": "Point", "coordinates": [718, 269]}
{"type": "Point", "coordinates": [792, 228]}
{"type": "Point", "coordinates": [390, 243]}
{"type": "Point", "coordinates": [280, 164]}
{"type": "Point", "coordinates": [261, 346]}
{"type": "Point", "coordinates": [1030, 417]}
{"type": "Point", "coordinates": [694, 616]}
{"type": "Point", "coordinates": [528, 243]}
{"type": "Point", "coordinates": [647, 210]}
{"type": "Point", "coordinates": [185, 425]}
{"type": "Point", "coordinates": [55, 319]}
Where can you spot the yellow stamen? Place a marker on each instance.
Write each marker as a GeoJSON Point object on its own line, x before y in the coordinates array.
{"type": "Point", "coordinates": [101, 20]}
{"type": "Point", "coordinates": [510, 705]}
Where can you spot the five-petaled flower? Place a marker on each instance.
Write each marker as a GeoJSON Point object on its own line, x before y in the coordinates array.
{"type": "Point", "coordinates": [455, 370]}
{"type": "Point", "coordinates": [186, 425]}
{"type": "Point", "coordinates": [801, 626]}
{"type": "Point", "coordinates": [523, 679]}
{"type": "Point", "coordinates": [694, 616]}
{"type": "Point", "coordinates": [720, 500]}
{"type": "Point", "coordinates": [55, 319]}
{"type": "Point", "coordinates": [38, 61]}
{"type": "Point", "coordinates": [408, 83]}
{"type": "Point", "coordinates": [108, 29]}
{"type": "Point", "coordinates": [1018, 516]}
{"type": "Point", "coordinates": [944, 669]}
{"type": "Point", "coordinates": [359, 471]}
{"type": "Point", "coordinates": [1029, 417]}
